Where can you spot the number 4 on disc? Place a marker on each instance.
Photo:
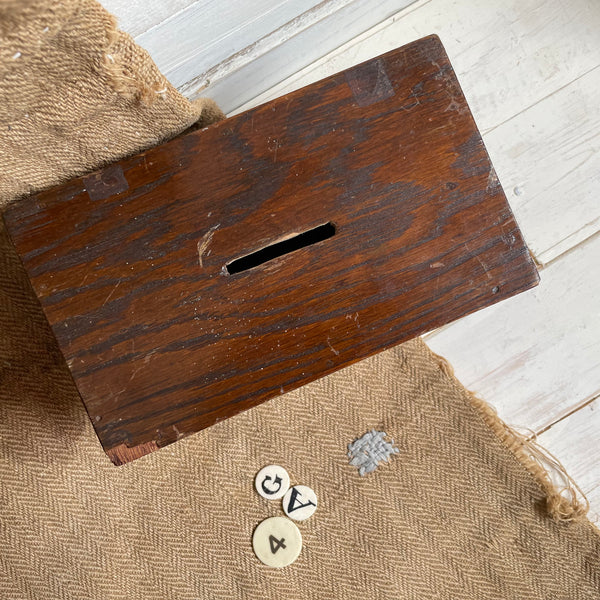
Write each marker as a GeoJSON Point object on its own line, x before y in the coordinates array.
{"type": "Point", "coordinates": [277, 542]}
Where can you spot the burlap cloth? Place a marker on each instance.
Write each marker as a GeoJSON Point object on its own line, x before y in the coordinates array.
{"type": "Point", "coordinates": [463, 511]}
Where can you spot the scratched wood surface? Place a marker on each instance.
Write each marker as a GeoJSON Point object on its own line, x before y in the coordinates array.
{"type": "Point", "coordinates": [130, 263]}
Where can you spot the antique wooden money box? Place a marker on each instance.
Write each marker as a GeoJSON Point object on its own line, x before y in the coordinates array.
{"type": "Point", "coordinates": [233, 264]}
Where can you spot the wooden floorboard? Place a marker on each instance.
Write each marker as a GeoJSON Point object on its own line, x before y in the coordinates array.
{"type": "Point", "coordinates": [508, 58]}
{"type": "Point", "coordinates": [234, 50]}
{"type": "Point", "coordinates": [207, 33]}
{"type": "Point", "coordinates": [137, 16]}
{"type": "Point", "coordinates": [548, 160]}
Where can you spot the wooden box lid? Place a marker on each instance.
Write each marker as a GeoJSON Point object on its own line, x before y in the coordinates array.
{"type": "Point", "coordinates": [377, 176]}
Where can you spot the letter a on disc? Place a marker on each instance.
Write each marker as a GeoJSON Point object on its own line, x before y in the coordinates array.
{"type": "Point", "coordinates": [300, 502]}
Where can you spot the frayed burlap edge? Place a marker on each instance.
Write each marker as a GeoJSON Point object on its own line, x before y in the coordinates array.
{"type": "Point", "coordinates": [139, 80]}
{"type": "Point", "coordinates": [565, 501]}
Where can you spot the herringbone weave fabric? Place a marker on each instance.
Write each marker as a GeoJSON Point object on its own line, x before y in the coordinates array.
{"type": "Point", "coordinates": [459, 513]}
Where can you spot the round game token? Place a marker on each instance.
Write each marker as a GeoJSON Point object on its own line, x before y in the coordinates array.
{"type": "Point", "coordinates": [277, 542]}
{"type": "Point", "coordinates": [272, 482]}
{"type": "Point", "coordinates": [300, 502]}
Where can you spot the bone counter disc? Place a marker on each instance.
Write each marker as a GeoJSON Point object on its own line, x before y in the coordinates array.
{"type": "Point", "coordinates": [277, 542]}
{"type": "Point", "coordinates": [272, 482]}
{"type": "Point", "coordinates": [300, 502]}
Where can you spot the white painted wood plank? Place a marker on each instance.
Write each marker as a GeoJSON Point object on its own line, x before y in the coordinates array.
{"type": "Point", "coordinates": [548, 160]}
{"type": "Point", "coordinates": [210, 31]}
{"type": "Point", "coordinates": [284, 51]}
{"type": "Point", "coordinates": [137, 16]}
{"type": "Point", "coordinates": [535, 356]}
{"type": "Point", "coordinates": [232, 50]}
{"type": "Point", "coordinates": [361, 47]}
{"type": "Point", "coordinates": [575, 441]}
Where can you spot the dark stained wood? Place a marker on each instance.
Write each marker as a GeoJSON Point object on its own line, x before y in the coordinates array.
{"type": "Point", "coordinates": [130, 263]}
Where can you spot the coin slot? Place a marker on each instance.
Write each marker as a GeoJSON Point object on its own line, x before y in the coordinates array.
{"type": "Point", "coordinates": [302, 240]}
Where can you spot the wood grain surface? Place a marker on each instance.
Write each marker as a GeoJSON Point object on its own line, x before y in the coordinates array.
{"type": "Point", "coordinates": [130, 263]}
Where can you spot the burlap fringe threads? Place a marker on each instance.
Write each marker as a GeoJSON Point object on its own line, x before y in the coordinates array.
{"type": "Point", "coordinates": [135, 84]}
{"type": "Point", "coordinates": [565, 501]}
